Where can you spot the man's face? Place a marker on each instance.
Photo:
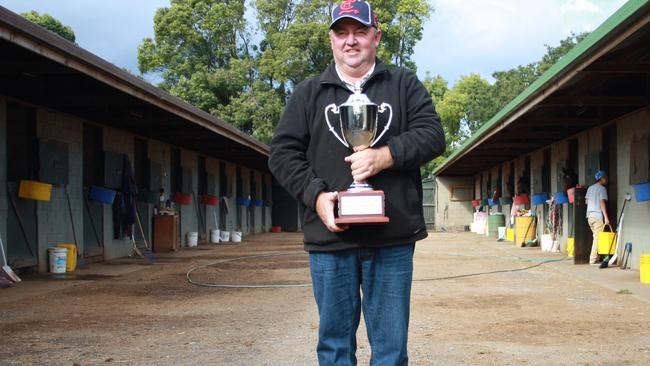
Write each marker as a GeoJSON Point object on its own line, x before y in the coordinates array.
{"type": "Point", "coordinates": [353, 44]}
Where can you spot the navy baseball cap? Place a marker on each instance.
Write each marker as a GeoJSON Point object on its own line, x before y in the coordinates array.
{"type": "Point", "coordinates": [600, 174]}
{"type": "Point", "coordinates": [359, 10]}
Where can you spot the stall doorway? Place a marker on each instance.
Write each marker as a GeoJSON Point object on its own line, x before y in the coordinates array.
{"type": "Point", "coordinates": [93, 175]}
{"type": "Point", "coordinates": [608, 163]}
{"type": "Point", "coordinates": [22, 163]}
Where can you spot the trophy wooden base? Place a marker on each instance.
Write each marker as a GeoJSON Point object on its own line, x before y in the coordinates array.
{"type": "Point", "coordinates": [358, 208]}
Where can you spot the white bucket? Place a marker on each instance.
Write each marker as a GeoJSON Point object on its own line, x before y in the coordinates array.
{"type": "Point", "coordinates": [192, 239]}
{"type": "Point", "coordinates": [236, 236]}
{"type": "Point", "coordinates": [547, 242]}
{"type": "Point", "coordinates": [501, 233]}
{"type": "Point", "coordinates": [224, 236]}
{"type": "Point", "coordinates": [214, 236]}
{"type": "Point", "coordinates": [480, 227]}
{"type": "Point", "coordinates": [58, 259]}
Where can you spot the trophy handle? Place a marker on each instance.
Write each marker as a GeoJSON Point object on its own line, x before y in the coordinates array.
{"type": "Point", "coordinates": [382, 109]}
{"type": "Point", "coordinates": [335, 110]}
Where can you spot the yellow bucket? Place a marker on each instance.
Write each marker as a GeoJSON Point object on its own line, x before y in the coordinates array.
{"type": "Point", "coordinates": [34, 190]}
{"type": "Point", "coordinates": [524, 230]}
{"type": "Point", "coordinates": [607, 241]}
{"type": "Point", "coordinates": [510, 234]}
{"type": "Point", "coordinates": [71, 263]}
{"type": "Point", "coordinates": [645, 268]}
{"type": "Point", "coordinates": [570, 243]}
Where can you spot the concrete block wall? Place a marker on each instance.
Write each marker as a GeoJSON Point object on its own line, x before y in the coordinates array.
{"type": "Point", "coordinates": [635, 226]}
{"type": "Point", "coordinates": [54, 222]}
{"type": "Point", "coordinates": [452, 215]}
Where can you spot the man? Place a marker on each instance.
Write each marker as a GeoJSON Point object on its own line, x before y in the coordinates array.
{"type": "Point", "coordinates": [310, 163]}
{"type": "Point", "coordinates": [597, 211]}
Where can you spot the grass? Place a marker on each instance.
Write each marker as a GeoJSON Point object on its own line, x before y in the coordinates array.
{"type": "Point", "coordinates": [624, 291]}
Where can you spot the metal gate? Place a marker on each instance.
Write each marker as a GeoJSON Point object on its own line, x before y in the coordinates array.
{"type": "Point", "coordinates": [428, 202]}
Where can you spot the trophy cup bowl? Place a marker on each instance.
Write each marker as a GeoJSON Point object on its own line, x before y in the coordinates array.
{"type": "Point", "coordinates": [358, 116]}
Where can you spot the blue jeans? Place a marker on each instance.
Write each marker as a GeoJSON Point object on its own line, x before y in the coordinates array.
{"type": "Point", "coordinates": [384, 276]}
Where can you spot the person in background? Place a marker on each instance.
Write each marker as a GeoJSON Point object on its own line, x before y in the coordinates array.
{"type": "Point", "coordinates": [597, 216]}
{"type": "Point", "coordinates": [309, 162]}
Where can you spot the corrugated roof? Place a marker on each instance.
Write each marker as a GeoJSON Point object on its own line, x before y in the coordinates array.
{"type": "Point", "coordinates": [562, 67]}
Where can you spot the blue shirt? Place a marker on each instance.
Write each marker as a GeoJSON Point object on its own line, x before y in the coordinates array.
{"type": "Point", "coordinates": [595, 194]}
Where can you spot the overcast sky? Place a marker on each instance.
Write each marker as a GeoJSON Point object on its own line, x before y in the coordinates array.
{"type": "Point", "coordinates": [462, 36]}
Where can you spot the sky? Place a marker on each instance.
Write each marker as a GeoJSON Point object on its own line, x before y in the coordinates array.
{"type": "Point", "coordinates": [461, 37]}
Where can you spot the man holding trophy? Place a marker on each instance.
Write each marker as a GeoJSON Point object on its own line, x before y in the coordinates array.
{"type": "Point", "coordinates": [349, 147]}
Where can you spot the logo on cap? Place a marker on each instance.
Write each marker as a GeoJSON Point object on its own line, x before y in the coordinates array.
{"type": "Point", "coordinates": [347, 7]}
{"type": "Point", "coordinates": [358, 10]}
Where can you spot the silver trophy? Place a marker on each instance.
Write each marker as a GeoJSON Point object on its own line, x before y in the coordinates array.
{"type": "Point", "coordinates": [360, 204]}
{"type": "Point", "coordinates": [358, 121]}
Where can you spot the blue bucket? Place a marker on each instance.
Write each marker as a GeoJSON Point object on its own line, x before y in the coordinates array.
{"type": "Point", "coordinates": [539, 198]}
{"type": "Point", "coordinates": [257, 202]}
{"type": "Point", "coordinates": [561, 198]}
{"type": "Point", "coordinates": [642, 192]}
{"type": "Point", "coordinates": [101, 194]}
{"type": "Point", "coordinates": [492, 202]}
{"type": "Point", "coordinates": [242, 201]}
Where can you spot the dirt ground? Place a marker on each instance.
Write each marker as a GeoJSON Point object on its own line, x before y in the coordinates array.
{"type": "Point", "coordinates": [151, 315]}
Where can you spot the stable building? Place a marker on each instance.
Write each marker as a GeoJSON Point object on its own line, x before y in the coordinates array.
{"type": "Point", "coordinates": [77, 131]}
{"type": "Point", "coordinates": [589, 112]}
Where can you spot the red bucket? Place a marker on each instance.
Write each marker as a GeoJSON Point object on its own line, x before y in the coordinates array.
{"type": "Point", "coordinates": [183, 198]}
{"type": "Point", "coordinates": [476, 203]}
{"type": "Point", "coordinates": [571, 192]}
{"type": "Point", "coordinates": [521, 199]}
{"type": "Point", "coordinates": [209, 200]}
{"type": "Point", "coordinates": [276, 229]}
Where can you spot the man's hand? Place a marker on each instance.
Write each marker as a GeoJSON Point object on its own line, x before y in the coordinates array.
{"type": "Point", "coordinates": [367, 162]}
{"type": "Point", "coordinates": [325, 210]}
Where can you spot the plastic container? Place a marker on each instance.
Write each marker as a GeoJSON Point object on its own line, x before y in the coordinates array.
{"type": "Point", "coordinates": [209, 200]}
{"type": "Point", "coordinates": [224, 236]}
{"type": "Point", "coordinates": [102, 195]}
{"type": "Point", "coordinates": [276, 229]}
{"type": "Point", "coordinates": [71, 261]}
{"type": "Point", "coordinates": [510, 234]}
{"type": "Point", "coordinates": [644, 268]}
{"type": "Point", "coordinates": [547, 242]}
{"type": "Point", "coordinates": [521, 199]}
{"type": "Point", "coordinates": [34, 190]}
{"type": "Point", "coordinates": [183, 198]}
{"type": "Point", "coordinates": [501, 233]}
{"type": "Point", "coordinates": [476, 203]}
{"type": "Point", "coordinates": [257, 203]}
{"type": "Point", "coordinates": [642, 192]}
{"type": "Point", "coordinates": [243, 201]}
{"type": "Point", "coordinates": [236, 236]}
{"type": "Point", "coordinates": [192, 239]}
{"type": "Point", "coordinates": [571, 193]}
{"type": "Point", "coordinates": [561, 198]}
{"type": "Point", "coordinates": [524, 230]}
{"type": "Point", "coordinates": [214, 236]}
{"type": "Point", "coordinates": [494, 222]}
{"type": "Point", "coordinates": [570, 244]}
{"type": "Point", "coordinates": [607, 241]}
{"type": "Point", "coordinates": [58, 259]}
{"type": "Point", "coordinates": [539, 198]}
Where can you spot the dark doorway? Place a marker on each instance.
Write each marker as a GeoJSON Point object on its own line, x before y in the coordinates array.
{"type": "Point", "coordinates": [239, 186]}
{"type": "Point", "coordinates": [572, 179]}
{"type": "Point", "coordinates": [251, 208]}
{"type": "Point", "coordinates": [142, 172]}
{"type": "Point", "coordinates": [93, 175]}
{"type": "Point", "coordinates": [176, 183]}
{"type": "Point", "coordinates": [22, 164]}
{"type": "Point", "coordinates": [223, 192]}
{"type": "Point", "coordinates": [265, 197]}
{"type": "Point", "coordinates": [202, 188]}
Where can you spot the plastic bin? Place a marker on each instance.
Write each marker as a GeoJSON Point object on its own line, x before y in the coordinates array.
{"type": "Point", "coordinates": [71, 260]}
{"type": "Point", "coordinates": [607, 241]}
{"type": "Point", "coordinates": [209, 200]}
{"type": "Point", "coordinates": [524, 230]}
{"type": "Point", "coordinates": [645, 268]}
{"type": "Point", "coordinates": [570, 244]}
{"type": "Point", "coordinates": [642, 192]}
{"type": "Point", "coordinates": [539, 198]}
{"type": "Point", "coordinates": [521, 199]}
{"type": "Point", "coordinates": [34, 190]}
{"type": "Point", "coordinates": [183, 198]}
{"type": "Point", "coordinates": [101, 194]}
{"type": "Point", "coordinates": [561, 198]}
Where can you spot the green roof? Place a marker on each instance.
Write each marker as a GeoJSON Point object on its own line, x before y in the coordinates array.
{"type": "Point", "coordinates": [581, 50]}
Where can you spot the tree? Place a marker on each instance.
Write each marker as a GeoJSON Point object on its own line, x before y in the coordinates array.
{"type": "Point", "coordinates": [50, 23]}
{"type": "Point", "coordinates": [202, 49]}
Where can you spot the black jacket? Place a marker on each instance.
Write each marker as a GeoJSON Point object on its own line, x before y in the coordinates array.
{"type": "Point", "coordinates": [306, 158]}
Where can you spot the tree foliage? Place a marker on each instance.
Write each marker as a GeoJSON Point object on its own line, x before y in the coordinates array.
{"type": "Point", "coordinates": [472, 101]}
{"type": "Point", "coordinates": [50, 23]}
{"type": "Point", "coordinates": [205, 53]}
